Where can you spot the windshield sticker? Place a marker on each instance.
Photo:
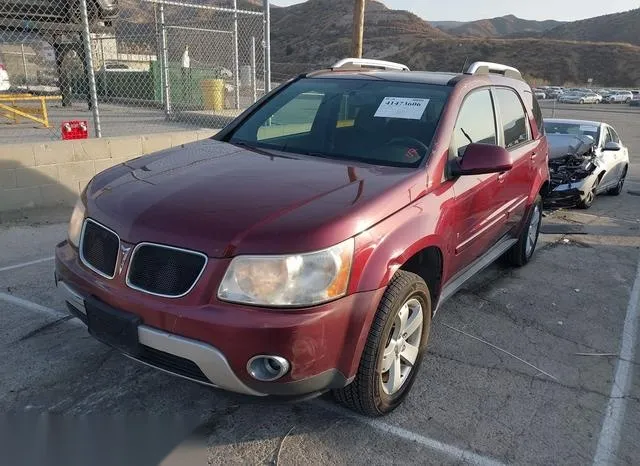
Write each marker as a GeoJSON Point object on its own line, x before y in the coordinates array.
{"type": "Point", "coordinates": [405, 108]}
{"type": "Point", "coordinates": [589, 129]}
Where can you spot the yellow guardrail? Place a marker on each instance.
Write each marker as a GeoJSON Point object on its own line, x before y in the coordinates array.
{"type": "Point", "coordinates": [10, 109]}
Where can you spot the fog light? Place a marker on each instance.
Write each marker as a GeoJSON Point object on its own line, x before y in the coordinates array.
{"type": "Point", "coordinates": [267, 368]}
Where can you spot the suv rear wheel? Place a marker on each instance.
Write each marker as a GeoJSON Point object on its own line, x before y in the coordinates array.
{"type": "Point", "coordinates": [522, 252]}
{"type": "Point", "coordinates": [394, 349]}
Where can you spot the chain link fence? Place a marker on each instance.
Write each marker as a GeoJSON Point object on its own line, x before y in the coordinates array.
{"type": "Point", "coordinates": [128, 66]}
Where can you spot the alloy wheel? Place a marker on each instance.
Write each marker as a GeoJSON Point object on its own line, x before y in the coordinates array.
{"type": "Point", "coordinates": [532, 234]}
{"type": "Point", "coordinates": [402, 348]}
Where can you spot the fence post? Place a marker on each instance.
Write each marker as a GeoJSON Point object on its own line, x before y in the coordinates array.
{"type": "Point", "coordinates": [24, 66]}
{"type": "Point", "coordinates": [267, 45]}
{"type": "Point", "coordinates": [254, 84]}
{"type": "Point", "coordinates": [236, 58]}
{"type": "Point", "coordinates": [88, 56]}
{"type": "Point", "coordinates": [105, 84]}
{"type": "Point", "coordinates": [164, 63]}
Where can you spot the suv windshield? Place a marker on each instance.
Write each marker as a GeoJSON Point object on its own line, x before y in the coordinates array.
{"type": "Point", "coordinates": [379, 122]}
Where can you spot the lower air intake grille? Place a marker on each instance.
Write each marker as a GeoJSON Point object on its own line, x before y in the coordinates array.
{"type": "Point", "coordinates": [99, 248]}
{"type": "Point", "coordinates": [172, 363]}
{"type": "Point", "coordinates": [164, 271]}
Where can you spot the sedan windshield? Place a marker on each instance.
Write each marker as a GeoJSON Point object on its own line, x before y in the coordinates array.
{"type": "Point", "coordinates": [379, 122]}
{"type": "Point", "coordinates": [576, 129]}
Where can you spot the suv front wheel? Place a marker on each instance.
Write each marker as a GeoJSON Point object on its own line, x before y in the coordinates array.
{"type": "Point", "coordinates": [394, 349]}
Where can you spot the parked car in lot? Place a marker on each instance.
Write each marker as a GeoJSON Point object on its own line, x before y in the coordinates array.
{"type": "Point", "coordinates": [636, 100]}
{"type": "Point", "coordinates": [115, 67]}
{"type": "Point", "coordinates": [617, 97]}
{"type": "Point", "coordinates": [307, 245]}
{"type": "Point", "coordinates": [5, 84]}
{"type": "Point", "coordinates": [553, 93]}
{"type": "Point", "coordinates": [540, 94]}
{"type": "Point", "coordinates": [579, 98]}
{"type": "Point", "coordinates": [586, 158]}
{"type": "Point", "coordinates": [58, 11]}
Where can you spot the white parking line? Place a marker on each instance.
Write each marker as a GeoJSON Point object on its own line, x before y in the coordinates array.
{"type": "Point", "coordinates": [433, 444]}
{"type": "Point", "coordinates": [612, 424]}
{"type": "Point", "coordinates": [11, 299]}
{"type": "Point", "coordinates": [26, 264]}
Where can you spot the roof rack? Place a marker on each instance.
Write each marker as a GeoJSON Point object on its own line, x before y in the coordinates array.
{"type": "Point", "coordinates": [486, 67]}
{"type": "Point", "coordinates": [359, 63]}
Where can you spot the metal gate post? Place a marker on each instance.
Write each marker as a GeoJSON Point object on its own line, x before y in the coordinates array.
{"type": "Point", "coordinates": [164, 63]}
{"type": "Point", "coordinates": [88, 56]}
{"type": "Point", "coordinates": [236, 58]}
{"type": "Point", "coordinates": [254, 84]}
{"type": "Point", "coordinates": [267, 45]}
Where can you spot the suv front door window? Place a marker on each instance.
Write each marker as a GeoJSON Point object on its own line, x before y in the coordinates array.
{"type": "Point", "coordinates": [476, 122]}
{"type": "Point", "coordinates": [477, 197]}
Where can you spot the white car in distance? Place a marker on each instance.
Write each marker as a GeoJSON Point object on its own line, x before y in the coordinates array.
{"type": "Point", "coordinates": [618, 97]}
{"type": "Point", "coordinates": [5, 84]}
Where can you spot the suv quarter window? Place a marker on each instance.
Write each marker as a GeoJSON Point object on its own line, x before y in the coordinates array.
{"type": "Point", "coordinates": [476, 122]}
{"type": "Point", "coordinates": [537, 114]}
{"type": "Point", "coordinates": [513, 117]}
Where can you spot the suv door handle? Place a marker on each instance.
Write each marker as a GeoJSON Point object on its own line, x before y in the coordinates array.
{"type": "Point", "coordinates": [534, 155]}
{"type": "Point", "coordinates": [501, 177]}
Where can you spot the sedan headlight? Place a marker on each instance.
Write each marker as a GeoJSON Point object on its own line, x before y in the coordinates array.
{"type": "Point", "coordinates": [289, 281]}
{"type": "Point", "coordinates": [75, 224]}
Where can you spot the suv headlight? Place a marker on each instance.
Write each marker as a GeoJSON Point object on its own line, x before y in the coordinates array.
{"type": "Point", "coordinates": [289, 281]}
{"type": "Point", "coordinates": [75, 224]}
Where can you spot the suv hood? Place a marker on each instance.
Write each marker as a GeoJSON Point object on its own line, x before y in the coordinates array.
{"type": "Point", "coordinates": [224, 200]}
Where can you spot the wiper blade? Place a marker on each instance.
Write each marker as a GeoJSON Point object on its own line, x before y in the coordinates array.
{"type": "Point", "coordinates": [260, 150]}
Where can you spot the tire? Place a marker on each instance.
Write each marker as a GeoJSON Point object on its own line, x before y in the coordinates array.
{"type": "Point", "coordinates": [522, 252]}
{"type": "Point", "coordinates": [587, 202]}
{"type": "Point", "coordinates": [627, 101]}
{"type": "Point", "coordinates": [369, 393]}
{"type": "Point", "coordinates": [581, 101]}
{"type": "Point", "coordinates": [618, 189]}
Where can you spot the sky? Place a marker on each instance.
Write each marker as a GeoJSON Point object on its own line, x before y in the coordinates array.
{"type": "Point", "coordinates": [469, 10]}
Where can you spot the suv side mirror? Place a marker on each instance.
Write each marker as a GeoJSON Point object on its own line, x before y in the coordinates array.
{"type": "Point", "coordinates": [612, 146]}
{"type": "Point", "coordinates": [480, 159]}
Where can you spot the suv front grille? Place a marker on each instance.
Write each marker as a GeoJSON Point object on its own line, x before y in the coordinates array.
{"type": "Point", "coordinates": [164, 270]}
{"type": "Point", "coordinates": [99, 248]}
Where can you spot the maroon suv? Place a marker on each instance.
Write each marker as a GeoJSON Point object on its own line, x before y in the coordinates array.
{"type": "Point", "coordinates": [307, 246]}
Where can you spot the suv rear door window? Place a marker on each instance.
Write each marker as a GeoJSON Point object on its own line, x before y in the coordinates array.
{"type": "Point", "coordinates": [513, 117]}
{"type": "Point", "coordinates": [476, 122]}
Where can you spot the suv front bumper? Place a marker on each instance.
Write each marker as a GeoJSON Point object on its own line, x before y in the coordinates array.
{"type": "Point", "coordinates": [210, 361]}
{"type": "Point", "coordinates": [210, 342]}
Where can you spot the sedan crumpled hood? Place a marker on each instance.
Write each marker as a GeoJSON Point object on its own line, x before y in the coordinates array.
{"type": "Point", "coordinates": [224, 200]}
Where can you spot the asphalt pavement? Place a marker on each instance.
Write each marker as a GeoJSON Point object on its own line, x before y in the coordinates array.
{"type": "Point", "coordinates": [520, 368]}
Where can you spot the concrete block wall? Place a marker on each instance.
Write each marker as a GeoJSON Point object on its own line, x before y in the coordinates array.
{"type": "Point", "coordinates": [54, 173]}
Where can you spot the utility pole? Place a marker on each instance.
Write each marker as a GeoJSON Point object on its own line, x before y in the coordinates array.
{"type": "Point", "coordinates": [358, 28]}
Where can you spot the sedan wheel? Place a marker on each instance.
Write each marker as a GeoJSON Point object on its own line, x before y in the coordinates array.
{"type": "Point", "coordinates": [590, 196]}
{"type": "Point", "coordinates": [618, 189]}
